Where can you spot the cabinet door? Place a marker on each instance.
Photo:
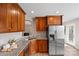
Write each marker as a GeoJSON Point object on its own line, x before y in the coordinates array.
{"type": "Point", "coordinates": [14, 18]}
{"type": "Point", "coordinates": [37, 24]}
{"type": "Point", "coordinates": [32, 47]}
{"type": "Point", "coordinates": [21, 20]}
{"type": "Point", "coordinates": [42, 46]}
{"type": "Point", "coordinates": [54, 20]}
{"type": "Point", "coordinates": [3, 18]}
{"type": "Point", "coordinates": [41, 23]}
{"type": "Point", "coordinates": [9, 13]}
{"type": "Point", "coordinates": [45, 47]}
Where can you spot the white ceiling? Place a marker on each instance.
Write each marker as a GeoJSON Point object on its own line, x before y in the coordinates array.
{"type": "Point", "coordinates": [68, 10]}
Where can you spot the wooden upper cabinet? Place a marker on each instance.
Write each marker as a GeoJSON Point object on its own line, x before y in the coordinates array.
{"type": "Point", "coordinates": [21, 20]}
{"type": "Point", "coordinates": [10, 21]}
{"type": "Point", "coordinates": [14, 18]}
{"type": "Point", "coordinates": [22, 28]}
{"type": "Point", "coordinates": [3, 18]}
{"type": "Point", "coordinates": [54, 20]}
{"type": "Point", "coordinates": [9, 17]}
{"type": "Point", "coordinates": [41, 23]}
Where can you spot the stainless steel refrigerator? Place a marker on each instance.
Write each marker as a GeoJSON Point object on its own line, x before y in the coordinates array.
{"type": "Point", "coordinates": [56, 40]}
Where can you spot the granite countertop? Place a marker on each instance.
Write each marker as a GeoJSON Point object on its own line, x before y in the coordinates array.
{"type": "Point", "coordinates": [31, 38]}
{"type": "Point", "coordinates": [21, 45]}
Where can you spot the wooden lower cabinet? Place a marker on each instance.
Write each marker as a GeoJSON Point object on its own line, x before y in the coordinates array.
{"type": "Point", "coordinates": [35, 46]}
{"type": "Point", "coordinates": [22, 53]}
{"type": "Point", "coordinates": [32, 47]}
{"type": "Point", "coordinates": [42, 46]}
{"type": "Point", "coordinates": [38, 46]}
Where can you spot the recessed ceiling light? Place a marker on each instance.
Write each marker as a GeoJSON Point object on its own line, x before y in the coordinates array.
{"type": "Point", "coordinates": [57, 12]}
{"type": "Point", "coordinates": [32, 12]}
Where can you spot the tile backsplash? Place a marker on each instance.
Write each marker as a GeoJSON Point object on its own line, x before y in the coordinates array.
{"type": "Point", "coordinates": [41, 35]}
{"type": "Point", "coordinates": [5, 37]}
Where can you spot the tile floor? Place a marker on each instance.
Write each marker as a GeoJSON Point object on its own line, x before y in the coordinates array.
{"type": "Point", "coordinates": [70, 51]}
{"type": "Point", "coordinates": [41, 54]}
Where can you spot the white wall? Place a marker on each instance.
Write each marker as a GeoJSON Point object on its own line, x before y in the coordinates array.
{"type": "Point", "coordinates": [5, 37]}
{"type": "Point", "coordinates": [75, 22]}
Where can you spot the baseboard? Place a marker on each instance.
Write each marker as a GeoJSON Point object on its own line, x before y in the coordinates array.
{"type": "Point", "coordinates": [72, 46]}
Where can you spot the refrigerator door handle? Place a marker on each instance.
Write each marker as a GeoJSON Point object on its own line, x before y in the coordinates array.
{"type": "Point", "coordinates": [53, 36]}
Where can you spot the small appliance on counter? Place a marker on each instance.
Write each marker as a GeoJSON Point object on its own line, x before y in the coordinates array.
{"type": "Point", "coordinates": [26, 36]}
